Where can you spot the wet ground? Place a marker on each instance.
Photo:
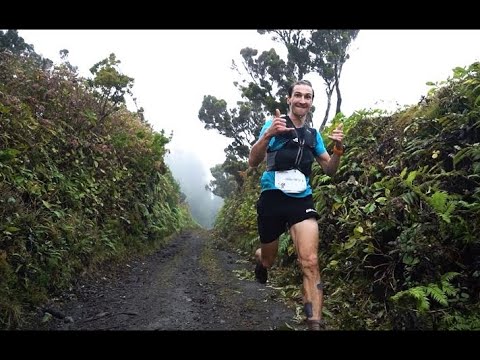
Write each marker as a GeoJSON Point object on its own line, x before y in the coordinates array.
{"type": "Point", "coordinates": [191, 284]}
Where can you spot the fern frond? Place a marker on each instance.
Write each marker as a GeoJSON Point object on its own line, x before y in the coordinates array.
{"type": "Point", "coordinates": [418, 293]}
{"type": "Point", "coordinates": [448, 289]}
{"type": "Point", "coordinates": [472, 151]}
{"type": "Point", "coordinates": [449, 276]}
{"type": "Point", "coordinates": [410, 198]}
{"type": "Point", "coordinates": [437, 294]}
{"type": "Point", "coordinates": [283, 241]}
{"type": "Point", "coordinates": [423, 304]}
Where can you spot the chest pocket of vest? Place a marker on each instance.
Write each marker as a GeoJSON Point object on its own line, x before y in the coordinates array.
{"type": "Point", "coordinates": [296, 153]}
{"type": "Point", "coordinates": [284, 158]}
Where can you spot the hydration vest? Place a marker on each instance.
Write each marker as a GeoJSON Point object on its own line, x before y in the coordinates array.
{"type": "Point", "coordinates": [297, 151]}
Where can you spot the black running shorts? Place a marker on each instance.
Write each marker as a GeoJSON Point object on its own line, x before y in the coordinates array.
{"type": "Point", "coordinates": [276, 212]}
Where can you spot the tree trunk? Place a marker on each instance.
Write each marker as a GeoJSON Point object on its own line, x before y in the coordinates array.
{"type": "Point", "coordinates": [329, 103]}
{"type": "Point", "coordinates": [339, 98]}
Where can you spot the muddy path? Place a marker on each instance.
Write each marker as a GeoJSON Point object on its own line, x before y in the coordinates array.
{"type": "Point", "coordinates": [189, 285]}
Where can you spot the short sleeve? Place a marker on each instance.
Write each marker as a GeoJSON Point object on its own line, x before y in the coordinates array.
{"type": "Point", "coordinates": [320, 147]}
{"type": "Point", "coordinates": [267, 124]}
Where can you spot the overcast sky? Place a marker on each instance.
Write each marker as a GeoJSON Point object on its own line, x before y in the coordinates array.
{"type": "Point", "coordinates": [174, 69]}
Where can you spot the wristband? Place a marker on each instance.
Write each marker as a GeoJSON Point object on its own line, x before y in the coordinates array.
{"type": "Point", "coordinates": [338, 151]}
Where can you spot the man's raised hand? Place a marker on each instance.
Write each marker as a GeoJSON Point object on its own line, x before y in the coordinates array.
{"type": "Point", "coordinates": [279, 124]}
{"type": "Point", "coordinates": [337, 135]}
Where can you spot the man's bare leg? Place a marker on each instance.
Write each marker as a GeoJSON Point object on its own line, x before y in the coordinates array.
{"type": "Point", "coordinates": [305, 238]}
{"type": "Point", "coordinates": [267, 253]}
{"type": "Point", "coordinates": [265, 257]}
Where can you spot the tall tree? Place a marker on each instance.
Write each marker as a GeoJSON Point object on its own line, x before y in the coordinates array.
{"type": "Point", "coordinates": [223, 184]}
{"type": "Point", "coordinates": [110, 85]}
{"type": "Point", "coordinates": [298, 56]}
{"type": "Point", "coordinates": [330, 53]}
{"type": "Point", "coordinates": [320, 51]}
{"type": "Point", "coordinates": [10, 40]}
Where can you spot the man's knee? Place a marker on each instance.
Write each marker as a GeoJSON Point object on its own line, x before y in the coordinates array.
{"type": "Point", "coordinates": [309, 263]}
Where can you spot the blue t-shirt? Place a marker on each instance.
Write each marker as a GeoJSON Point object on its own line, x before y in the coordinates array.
{"type": "Point", "coordinates": [267, 181]}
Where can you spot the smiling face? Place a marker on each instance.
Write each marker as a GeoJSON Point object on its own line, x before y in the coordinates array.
{"type": "Point", "coordinates": [300, 100]}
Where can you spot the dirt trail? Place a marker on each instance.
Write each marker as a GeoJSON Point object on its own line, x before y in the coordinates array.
{"type": "Point", "coordinates": [189, 285]}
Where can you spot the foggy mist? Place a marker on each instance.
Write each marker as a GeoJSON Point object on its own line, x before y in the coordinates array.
{"type": "Point", "coordinates": [192, 176]}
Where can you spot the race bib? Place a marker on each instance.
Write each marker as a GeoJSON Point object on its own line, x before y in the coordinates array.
{"type": "Point", "coordinates": [290, 181]}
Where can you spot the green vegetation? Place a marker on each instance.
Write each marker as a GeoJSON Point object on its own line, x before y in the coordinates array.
{"type": "Point", "coordinates": [399, 244]}
{"type": "Point", "coordinates": [82, 179]}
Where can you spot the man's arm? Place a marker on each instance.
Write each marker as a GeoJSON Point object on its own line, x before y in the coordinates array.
{"type": "Point", "coordinates": [328, 163]}
{"type": "Point", "coordinates": [259, 149]}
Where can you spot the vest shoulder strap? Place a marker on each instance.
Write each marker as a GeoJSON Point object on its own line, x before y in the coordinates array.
{"type": "Point", "coordinates": [309, 133]}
